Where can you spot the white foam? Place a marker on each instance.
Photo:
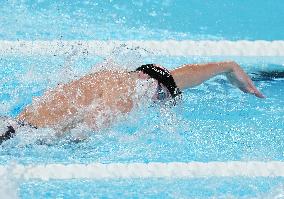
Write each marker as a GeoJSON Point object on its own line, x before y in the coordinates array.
{"type": "Point", "coordinates": [8, 185]}
{"type": "Point", "coordinates": [166, 47]}
{"type": "Point", "coordinates": [146, 170]}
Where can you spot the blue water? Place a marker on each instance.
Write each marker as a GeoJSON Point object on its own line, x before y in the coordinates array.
{"type": "Point", "coordinates": [213, 122]}
{"type": "Point", "coordinates": [155, 19]}
{"type": "Point", "coordinates": [155, 188]}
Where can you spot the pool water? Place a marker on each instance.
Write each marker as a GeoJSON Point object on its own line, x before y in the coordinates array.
{"type": "Point", "coordinates": [212, 122]}
{"type": "Point", "coordinates": [156, 188]}
{"type": "Point", "coordinates": [156, 19]}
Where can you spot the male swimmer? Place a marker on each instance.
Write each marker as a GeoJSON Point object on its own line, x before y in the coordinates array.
{"type": "Point", "coordinates": [98, 98]}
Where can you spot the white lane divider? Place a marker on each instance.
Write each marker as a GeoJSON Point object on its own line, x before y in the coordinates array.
{"type": "Point", "coordinates": [165, 47]}
{"type": "Point", "coordinates": [145, 170]}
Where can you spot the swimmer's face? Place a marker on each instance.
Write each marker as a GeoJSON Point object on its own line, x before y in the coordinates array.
{"type": "Point", "coordinates": [161, 94]}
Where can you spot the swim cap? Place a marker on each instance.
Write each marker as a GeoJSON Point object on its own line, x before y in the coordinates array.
{"type": "Point", "coordinates": [163, 76]}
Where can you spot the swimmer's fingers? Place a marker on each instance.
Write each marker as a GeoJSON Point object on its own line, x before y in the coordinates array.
{"type": "Point", "coordinates": [259, 94]}
{"type": "Point", "coordinates": [251, 87]}
{"type": "Point", "coordinates": [254, 91]}
{"type": "Point", "coordinates": [241, 80]}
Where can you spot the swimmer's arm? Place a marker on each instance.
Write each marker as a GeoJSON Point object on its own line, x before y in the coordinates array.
{"type": "Point", "coordinates": [192, 75]}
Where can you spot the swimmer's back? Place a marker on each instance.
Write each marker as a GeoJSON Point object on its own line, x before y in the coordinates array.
{"type": "Point", "coordinates": [66, 100]}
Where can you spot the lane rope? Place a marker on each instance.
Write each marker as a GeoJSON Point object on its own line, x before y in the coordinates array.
{"type": "Point", "coordinates": [166, 47]}
{"type": "Point", "coordinates": [145, 170]}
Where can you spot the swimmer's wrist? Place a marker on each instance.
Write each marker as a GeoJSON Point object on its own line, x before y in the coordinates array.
{"type": "Point", "coordinates": [230, 66]}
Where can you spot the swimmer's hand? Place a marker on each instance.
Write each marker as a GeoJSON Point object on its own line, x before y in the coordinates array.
{"type": "Point", "coordinates": [240, 79]}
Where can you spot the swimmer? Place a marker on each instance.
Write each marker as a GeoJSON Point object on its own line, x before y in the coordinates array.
{"type": "Point", "coordinates": [97, 99]}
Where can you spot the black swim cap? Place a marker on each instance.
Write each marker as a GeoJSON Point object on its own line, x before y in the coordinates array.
{"type": "Point", "coordinates": [163, 76]}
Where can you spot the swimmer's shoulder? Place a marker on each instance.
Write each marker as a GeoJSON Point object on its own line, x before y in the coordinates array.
{"type": "Point", "coordinates": [105, 75]}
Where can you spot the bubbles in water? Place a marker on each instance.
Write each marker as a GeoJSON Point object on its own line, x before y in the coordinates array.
{"type": "Point", "coordinates": [276, 192]}
{"type": "Point", "coordinates": [127, 57]}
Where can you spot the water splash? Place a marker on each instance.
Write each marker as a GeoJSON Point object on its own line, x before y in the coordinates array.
{"type": "Point", "coordinates": [126, 57]}
{"type": "Point", "coordinates": [9, 185]}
